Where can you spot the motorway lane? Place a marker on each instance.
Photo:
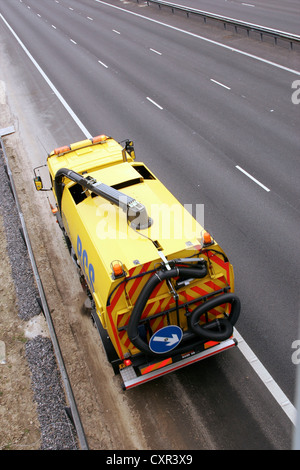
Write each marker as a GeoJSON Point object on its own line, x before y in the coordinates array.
{"type": "Point", "coordinates": [169, 135]}
{"type": "Point", "coordinates": [69, 77]}
{"type": "Point", "coordinates": [211, 114]}
{"type": "Point", "coordinates": [263, 105]}
{"type": "Point", "coordinates": [275, 14]}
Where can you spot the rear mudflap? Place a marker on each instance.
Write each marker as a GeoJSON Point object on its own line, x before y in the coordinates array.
{"type": "Point", "coordinates": [133, 376]}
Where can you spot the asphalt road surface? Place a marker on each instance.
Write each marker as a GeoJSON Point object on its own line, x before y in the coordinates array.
{"type": "Point", "coordinates": [217, 124]}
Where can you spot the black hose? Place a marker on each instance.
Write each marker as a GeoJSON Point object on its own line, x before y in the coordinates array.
{"type": "Point", "coordinates": [137, 311]}
{"type": "Point", "coordinates": [221, 328]}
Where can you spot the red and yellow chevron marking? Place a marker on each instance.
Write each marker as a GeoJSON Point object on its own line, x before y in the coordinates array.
{"type": "Point", "coordinates": [110, 310]}
{"type": "Point", "coordinates": [118, 302]}
{"type": "Point", "coordinates": [205, 288]}
{"type": "Point", "coordinates": [161, 300]}
{"type": "Point", "coordinates": [155, 324]}
{"type": "Point", "coordinates": [225, 265]}
{"type": "Point", "coordinates": [134, 289]}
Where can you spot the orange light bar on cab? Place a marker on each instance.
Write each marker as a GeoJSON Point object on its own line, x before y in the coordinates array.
{"type": "Point", "coordinates": [99, 138]}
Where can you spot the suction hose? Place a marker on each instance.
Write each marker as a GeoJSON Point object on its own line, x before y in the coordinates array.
{"type": "Point", "coordinates": [137, 311]}
{"type": "Point", "coordinates": [219, 329]}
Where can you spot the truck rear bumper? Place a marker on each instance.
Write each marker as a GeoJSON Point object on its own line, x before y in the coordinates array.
{"type": "Point", "coordinates": [132, 379]}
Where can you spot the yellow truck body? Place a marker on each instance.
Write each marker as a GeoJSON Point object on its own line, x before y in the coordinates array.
{"type": "Point", "coordinates": [162, 290]}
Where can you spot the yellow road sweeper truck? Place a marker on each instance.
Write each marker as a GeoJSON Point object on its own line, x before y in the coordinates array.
{"type": "Point", "coordinates": [161, 288]}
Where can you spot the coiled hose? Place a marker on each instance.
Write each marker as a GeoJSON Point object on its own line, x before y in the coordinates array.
{"type": "Point", "coordinates": [218, 330]}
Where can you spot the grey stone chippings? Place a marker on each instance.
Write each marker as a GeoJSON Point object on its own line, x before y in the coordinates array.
{"type": "Point", "coordinates": [56, 428]}
{"type": "Point", "coordinates": [25, 286]}
{"type": "Point", "coordinates": [57, 431]}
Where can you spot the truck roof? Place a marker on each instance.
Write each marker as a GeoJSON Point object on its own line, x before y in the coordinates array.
{"type": "Point", "coordinates": [173, 229]}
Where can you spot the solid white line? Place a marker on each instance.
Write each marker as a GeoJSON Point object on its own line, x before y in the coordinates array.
{"type": "Point", "coordinates": [252, 178]}
{"type": "Point", "coordinates": [102, 63]}
{"type": "Point", "coordinates": [272, 386]}
{"type": "Point", "coordinates": [219, 83]}
{"type": "Point", "coordinates": [53, 88]}
{"type": "Point", "coordinates": [153, 102]}
{"type": "Point", "coordinates": [248, 5]}
{"type": "Point", "coordinates": [202, 38]}
{"type": "Point", "coordinates": [266, 378]}
{"type": "Point", "coordinates": [156, 52]}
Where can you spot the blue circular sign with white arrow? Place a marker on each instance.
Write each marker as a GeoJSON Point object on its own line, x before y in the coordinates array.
{"type": "Point", "coordinates": [165, 339]}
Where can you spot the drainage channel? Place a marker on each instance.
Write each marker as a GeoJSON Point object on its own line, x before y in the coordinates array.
{"type": "Point", "coordinates": [71, 410]}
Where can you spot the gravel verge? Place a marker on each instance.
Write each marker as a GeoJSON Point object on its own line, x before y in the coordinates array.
{"type": "Point", "coordinates": [57, 431]}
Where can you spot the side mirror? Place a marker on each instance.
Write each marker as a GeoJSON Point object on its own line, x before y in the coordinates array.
{"type": "Point", "coordinates": [38, 183]}
{"type": "Point", "coordinates": [129, 147]}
